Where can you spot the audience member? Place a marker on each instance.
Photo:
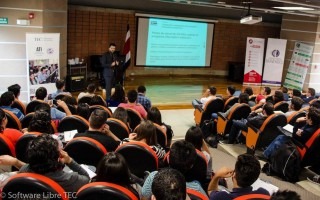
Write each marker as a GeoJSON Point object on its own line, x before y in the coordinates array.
{"type": "Point", "coordinates": [142, 99]}
{"type": "Point", "coordinates": [41, 122]}
{"type": "Point", "coordinates": [91, 89]}
{"type": "Point", "coordinates": [266, 91]}
{"type": "Point", "coordinates": [285, 195]}
{"type": "Point", "coordinates": [117, 97]}
{"type": "Point", "coordinates": [97, 100]}
{"type": "Point", "coordinates": [60, 85]}
{"type": "Point", "coordinates": [296, 93]}
{"type": "Point", "coordinates": [12, 134]}
{"type": "Point", "coordinates": [245, 173]}
{"type": "Point", "coordinates": [309, 96]}
{"type": "Point", "coordinates": [15, 89]}
{"type": "Point", "coordinates": [285, 93]}
{"type": "Point", "coordinates": [208, 95]}
{"type": "Point", "coordinates": [132, 98]}
{"type": "Point", "coordinates": [83, 110]}
{"type": "Point", "coordinates": [7, 100]}
{"type": "Point", "coordinates": [277, 97]}
{"type": "Point", "coordinates": [296, 105]}
{"type": "Point", "coordinates": [243, 98]}
{"type": "Point", "coordinates": [122, 115]}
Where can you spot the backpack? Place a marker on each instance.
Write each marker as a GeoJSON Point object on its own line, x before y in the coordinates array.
{"type": "Point", "coordinates": [285, 162]}
{"type": "Point", "coordinates": [209, 132]}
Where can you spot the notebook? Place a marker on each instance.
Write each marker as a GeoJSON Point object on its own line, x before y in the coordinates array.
{"type": "Point", "coordinates": [286, 130]}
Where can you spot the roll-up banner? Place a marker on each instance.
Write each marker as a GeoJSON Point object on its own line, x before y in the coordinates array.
{"type": "Point", "coordinates": [298, 67]}
{"type": "Point", "coordinates": [43, 61]}
{"type": "Point", "coordinates": [254, 61]}
{"type": "Point", "coordinates": [273, 63]}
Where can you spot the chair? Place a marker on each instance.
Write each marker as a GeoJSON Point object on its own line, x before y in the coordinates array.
{"type": "Point", "coordinates": [61, 95]}
{"type": "Point", "coordinates": [195, 195]}
{"type": "Point", "coordinates": [72, 109]}
{"type": "Point", "coordinates": [93, 107]}
{"type": "Point", "coordinates": [118, 128]}
{"type": "Point", "coordinates": [19, 105]}
{"type": "Point", "coordinates": [230, 102]}
{"type": "Point", "coordinates": [134, 118]}
{"type": "Point", "coordinates": [262, 137]}
{"type": "Point", "coordinates": [26, 120]}
{"type": "Point", "coordinates": [104, 190]}
{"type": "Point", "coordinates": [199, 169]}
{"type": "Point", "coordinates": [269, 98]}
{"type": "Point", "coordinates": [283, 106]}
{"type": "Point", "coordinates": [41, 187]}
{"type": "Point", "coordinates": [291, 119]}
{"type": "Point", "coordinates": [161, 135]}
{"type": "Point", "coordinates": [85, 150]}
{"type": "Point", "coordinates": [22, 145]}
{"type": "Point", "coordinates": [33, 104]}
{"type": "Point", "coordinates": [6, 146]}
{"type": "Point", "coordinates": [257, 106]}
{"type": "Point", "coordinates": [212, 106]}
{"type": "Point", "coordinates": [224, 123]}
{"type": "Point", "coordinates": [13, 121]}
{"type": "Point", "coordinates": [309, 152]}
{"type": "Point", "coordinates": [85, 99]}
{"type": "Point", "coordinates": [73, 122]}
{"type": "Point", "coordinates": [253, 98]}
{"type": "Point", "coordinates": [252, 197]}
{"type": "Point", "coordinates": [136, 153]}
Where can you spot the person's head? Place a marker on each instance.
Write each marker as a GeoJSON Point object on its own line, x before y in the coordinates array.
{"type": "Point", "coordinates": [41, 93]}
{"type": "Point", "coordinates": [315, 104]}
{"type": "Point", "coordinates": [132, 96]}
{"type": "Point", "coordinates": [311, 92]}
{"type": "Point", "coordinates": [296, 93]}
{"type": "Point", "coordinates": [3, 120]}
{"type": "Point", "coordinates": [230, 90]}
{"type": "Point", "coordinates": [60, 84]}
{"type": "Point", "coordinates": [296, 103]}
{"type": "Point", "coordinates": [83, 110]}
{"type": "Point", "coordinates": [43, 70]}
{"type": "Point", "coordinates": [268, 108]}
{"type": "Point", "coordinates": [43, 107]}
{"type": "Point", "coordinates": [43, 154]}
{"type": "Point", "coordinates": [212, 90]}
{"type": "Point", "coordinates": [121, 114]}
{"type": "Point", "coordinates": [194, 136]}
{"type": "Point", "coordinates": [278, 96]}
{"type": "Point", "coordinates": [119, 94]}
{"type": "Point", "coordinates": [313, 116]}
{"type": "Point", "coordinates": [142, 89]}
{"type": "Point", "coordinates": [248, 90]}
{"type": "Point", "coordinates": [70, 100]}
{"type": "Point", "coordinates": [260, 99]}
{"type": "Point", "coordinates": [147, 131]}
{"type": "Point", "coordinates": [41, 122]}
{"type": "Point", "coordinates": [113, 168]}
{"type": "Point", "coordinates": [154, 115]}
{"type": "Point", "coordinates": [15, 89]}
{"type": "Point", "coordinates": [168, 184]}
{"type": "Point", "coordinates": [182, 156]}
{"type": "Point", "coordinates": [243, 98]}
{"type": "Point", "coordinates": [7, 99]}
{"type": "Point", "coordinates": [285, 195]}
{"type": "Point", "coordinates": [97, 100]}
{"type": "Point", "coordinates": [284, 90]}
{"type": "Point", "coordinates": [112, 47]}
{"type": "Point", "coordinates": [246, 171]}
{"type": "Point", "coordinates": [98, 119]}
{"type": "Point", "coordinates": [91, 88]}
{"type": "Point", "coordinates": [266, 91]}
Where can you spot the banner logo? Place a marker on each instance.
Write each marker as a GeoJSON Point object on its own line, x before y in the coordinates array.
{"type": "Point", "coordinates": [275, 53]}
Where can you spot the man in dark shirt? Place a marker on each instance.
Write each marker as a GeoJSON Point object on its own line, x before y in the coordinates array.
{"type": "Point", "coordinates": [245, 173]}
{"type": "Point", "coordinates": [99, 130]}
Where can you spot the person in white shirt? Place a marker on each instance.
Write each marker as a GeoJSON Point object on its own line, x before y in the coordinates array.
{"type": "Point", "coordinates": [208, 95]}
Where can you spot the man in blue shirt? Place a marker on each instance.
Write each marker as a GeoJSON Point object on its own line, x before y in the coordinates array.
{"type": "Point", "coordinates": [6, 100]}
{"type": "Point", "coordinates": [142, 99]}
{"type": "Point", "coordinates": [60, 85]}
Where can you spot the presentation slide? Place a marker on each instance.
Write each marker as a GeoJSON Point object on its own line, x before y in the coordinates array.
{"type": "Point", "coordinates": [173, 43]}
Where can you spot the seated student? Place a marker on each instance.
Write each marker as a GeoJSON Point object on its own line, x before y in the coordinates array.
{"type": "Point", "coordinates": [99, 130]}
{"type": "Point", "coordinates": [260, 100]}
{"type": "Point", "coordinates": [301, 135]}
{"type": "Point", "coordinates": [296, 105]}
{"type": "Point", "coordinates": [285, 93]}
{"type": "Point", "coordinates": [97, 100]}
{"type": "Point", "coordinates": [194, 136]}
{"type": "Point", "coordinates": [15, 89]}
{"type": "Point", "coordinates": [243, 98]}
{"type": "Point", "coordinates": [122, 115]}
{"type": "Point", "coordinates": [295, 93]}
{"type": "Point", "coordinates": [255, 118]}
{"type": "Point", "coordinates": [60, 85]}
{"type": "Point", "coordinates": [245, 173]}
{"type": "Point", "coordinates": [46, 159]}
{"type": "Point", "coordinates": [249, 91]}
{"type": "Point", "coordinates": [6, 101]}
{"type": "Point", "coordinates": [142, 99]}
{"type": "Point", "coordinates": [91, 89]}
{"type": "Point", "coordinates": [266, 91]}
{"type": "Point", "coordinates": [168, 184]}
{"type": "Point", "coordinates": [277, 97]}
{"type": "Point", "coordinates": [113, 168]}
{"type": "Point", "coordinates": [132, 103]}
{"type": "Point", "coordinates": [83, 110]}
{"type": "Point", "coordinates": [182, 157]}
{"type": "Point", "coordinates": [40, 122]}
{"type": "Point", "coordinates": [117, 97]}
{"type": "Point", "coordinates": [12, 134]}
{"type": "Point", "coordinates": [309, 96]}
{"type": "Point", "coordinates": [230, 91]}
{"type": "Point", "coordinates": [208, 95]}
{"type": "Point", "coordinates": [146, 133]}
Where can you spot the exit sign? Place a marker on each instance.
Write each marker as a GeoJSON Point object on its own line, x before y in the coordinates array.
{"type": "Point", "coordinates": [3, 20]}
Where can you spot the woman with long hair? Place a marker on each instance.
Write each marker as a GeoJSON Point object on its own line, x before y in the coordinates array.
{"type": "Point", "coordinates": [117, 97]}
{"type": "Point", "coordinates": [12, 134]}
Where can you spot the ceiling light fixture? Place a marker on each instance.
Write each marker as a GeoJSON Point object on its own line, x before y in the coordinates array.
{"type": "Point", "coordinates": [293, 8]}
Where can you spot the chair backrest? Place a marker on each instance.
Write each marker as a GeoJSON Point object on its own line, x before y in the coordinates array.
{"type": "Point", "coordinates": [269, 99]}
{"type": "Point", "coordinates": [213, 106]}
{"type": "Point", "coordinates": [294, 116]}
{"type": "Point", "coordinates": [19, 105]}
{"type": "Point", "coordinates": [199, 169]}
{"type": "Point", "coordinates": [73, 122]}
{"type": "Point", "coordinates": [26, 120]}
{"type": "Point", "coordinates": [33, 184]}
{"type": "Point", "coordinates": [282, 106]}
{"type": "Point", "coordinates": [104, 190]}
{"type": "Point", "coordinates": [252, 197]}
{"type": "Point", "coordinates": [240, 111]}
{"type": "Point", "coordinates": [118, 128]}
{"type": "Point", "coordinates": [134, 118]}
{"type": "Point", "coordinates": [32, 105]}
{"type": "Point", "coordinates": [195, 195]}
{"type": "Point", "coordinates": [253, 98]}
{"type": "Point", "coordinates": [230, 102]}
{"type": "Point", "coordinates": [6, 146]}
{"type": "Point", "coordinates": [136, 153]}
{"type": "Point", "coordinates": [85, 150]}
{"type": "Point", "coordinates": [161, 135]}
{"type": "Point", "coordinates": [72, 109]}
{"type": "Point", "coordinates": [309, 153]}
{"type": "Point", "coordinates": [22, 145]}
{"type": "Point", "coordinates": [61, 95]}
{"type": "Point", "coordinates": [93, 107]}
{"type": "Point", "coordinates": [13, 121]}
{"type": "Point", "coordinates": [85, 99]}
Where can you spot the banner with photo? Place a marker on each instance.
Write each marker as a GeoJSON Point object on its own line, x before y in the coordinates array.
{"type": "Point", "coordinates": [254, 61]}
{"type": "Point", "coordinates": [43, 61]}
{"type": "Point", "coordinates": [298, 67]}
{"type": "Point", "coordinates": [273, 63]}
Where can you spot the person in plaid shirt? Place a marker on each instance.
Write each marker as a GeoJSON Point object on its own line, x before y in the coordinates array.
{"type": "Point", "coordinates": [142, 99]}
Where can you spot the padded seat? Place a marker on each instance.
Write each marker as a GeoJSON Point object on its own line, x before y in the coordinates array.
{"type": "Point", "coordinates": [13, 121]}
{"type": "Point", "coordinates": [61, 95]}
{"type": "Point", "coordinates": [283, 106]}
{"type": "Point", "coordinates": [118, 128]}
{"type": "Point", "coordinates": [212, 106]}
{"type": "Point", "coordinates": [6, 146]}
{"type": "Point", "coordinates": [93, 107]}
{"type": "Point", "coordinates": [195, 195]}
{"type": "Point", "coordinates": [19, 105]}
{"type": "Point", "coordinates": [73, 122]}
{"type": "Point", "coordinates": [22, 145]}
{"type": "Point", "coordinates": [85, 99]}
{"type": "Point", "coordinates": [134, 118]}
{"type": "Point", "coordinates": [33, 104]}
{"type": "Point", "coordinates": [309, 152]}
{"type": "Point", "coordinates": [230, 102]}
{"type": "Point", "coordinates": [291, 119]}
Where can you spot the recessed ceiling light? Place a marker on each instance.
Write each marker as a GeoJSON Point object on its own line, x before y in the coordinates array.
{"type": "Point", "coordinates": [293, 8]}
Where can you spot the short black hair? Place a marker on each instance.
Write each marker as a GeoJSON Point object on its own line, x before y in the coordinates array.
{"type": "Point", "coordinates": [285, 195]}
{"type": "Point", "coordinates": [41, 93]}
{"type": "Point", "coordinates": [59, 84]}
{"type": "Point", "coordinates": [231, 89]}
{"type": "Point", "coordinates": [97, 100]}
{"type": "Point", "coordinates": [7, 98]}
{"type": "Point", "coordinates": [169, 184]}
{"type": "Point", "coordinates": [142, 89]}
{"type": "Point", "coordinates": [312, 91]}
{"type": "Point", "coordinates": [314, 115]}
{"type": "Point", "coordinates": [91, 88]}
{"type": "Point", "coordinates": [268, 108]}
{"type": "Point", "coordinates": [296, 93]}
{"type": "Point", "coordinates": [15, 89]}
{"type": "Point", "coordinates": [41, 122]}
{"type": "Point", "coordinates": [278, 96]}
{"type": "Point", "coordinates": [284, 90]}
{"type": "Point", "coordinates": [213, 90]}
{"type": "Point", "coordinates": [248, 90]}
{"type": "Point", "coordinates": [194, 136]}
{"type": "Point", "coordinates": [297, 103]}
{"type": "Point", "coordinates": [132, 96]}
{"type": "Point", "coordinates": [98, 118]}
{"type": "Point", "coordinates": [247, 170]}
{"type": "Point", "coordinates": [244, 98]}
{"type": "Point", "coordinates": [267, 90]}
{"type": "Point", "coordinates": [112, 44]}
{"type": "Point", "coordinates": [43, 107]}
{"type": "Point", "coordinates": [83, 110]}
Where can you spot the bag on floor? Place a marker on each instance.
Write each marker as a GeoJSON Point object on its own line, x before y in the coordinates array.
{"type": "Point", "coordinates": [209, 132]}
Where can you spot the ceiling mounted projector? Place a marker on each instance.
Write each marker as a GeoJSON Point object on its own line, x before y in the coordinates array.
{"type": "Point", "coordinates": [250, 19]}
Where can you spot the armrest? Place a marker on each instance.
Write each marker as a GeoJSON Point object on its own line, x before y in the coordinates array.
{"type": "Point", "coordinates": [221, 115]}
{"type": "Point", "coordinates": [252, 137]}
{"type": "Point", "coordinates": [221, 123]}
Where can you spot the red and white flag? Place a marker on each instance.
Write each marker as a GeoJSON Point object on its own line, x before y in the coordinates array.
{"type": "Point", "coordinates": [126, 50]}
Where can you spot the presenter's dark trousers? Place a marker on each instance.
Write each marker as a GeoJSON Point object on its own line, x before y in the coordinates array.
{"type": "Point", "coordinates": [108, 83]}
